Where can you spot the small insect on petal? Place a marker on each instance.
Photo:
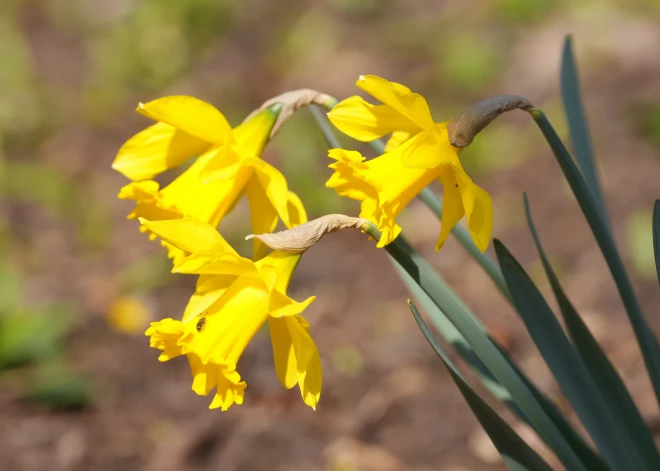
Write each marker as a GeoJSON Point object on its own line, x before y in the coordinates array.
{"type": "Point", "coordinates": [200, 324]}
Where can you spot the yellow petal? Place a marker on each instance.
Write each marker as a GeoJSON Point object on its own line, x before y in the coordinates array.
{"type": "Point", "coordinates": [191, 236]}
{"type": "Point", "coordinates": [366, 122]}
{"type": "Point", "coordinates": [430, 149]}
{"type": "Point", "coordinates": [296, 357]}
{"type": "Point", "coordinates": [229, 387]}
{"type": "Point", "coordinates": [229, 390]}
{"type": "Point", "coordinates": [312, 382]}
{"type": "Point", "coordinates": [253, 134]}
{"type": "Point", "coordinates": [156, 149]}
{"type": "Point", "coordinates": [190, 115]}
{"type": "Point", "coordinates": [283, 353]}
{"type": "Point", "coordinates": [397, 138]}
{"type": "Point", "coordinates": [411, 105]}
{"type": "Point", "coordinates": [384, 185]}
{"type": "Point", "coordinates": [262, 214]}
{"type": "Point", "coordinates": [207, 201]}
{"type": "Point", "coordinates": [231, 322]}
{"type": "Point", "coordinates": [281, 265]}
{"type": "Point", "coordinates": [208, 291]}
{"type": "Point", "coordinates": [308, 363]}
{"type": "Point", "coordinates": [165, 335]}
{"type": "Point", "coordinates": [452, 208]}
{"type": "Point", "coordinates": [274, 187]}
{"type": "Point", "coordinates": [480, 221]}
{"type": "Point", "coordinates": [221, 264]}
{"type": "Point", "coordinates": [297, 213]}
{"type": "Point", "coordinates": [344, 181]}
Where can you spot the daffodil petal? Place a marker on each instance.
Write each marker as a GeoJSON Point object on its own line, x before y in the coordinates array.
{"type": "Point", "coordinates": [283, 353]}
{"type": "Point", "coordinates": [219, 264]}
{"type": "Point", "coordinates": [263, 215]}
{"type": "Point", "coordinates": [452, 208]}
{"type": "Point", "coordinates": [190, 115]}
{"type": "Point", "coordinates": [397, 138]}
{"type": "Point", "coordinates": [156, 149]}
{"type": "Point", "coordinates": [366, 122]}
{"type": "Point", "coordinates": [229, 390]}
{"type": "Point", "coordinates": [307, 362]}
{"type": "Point", "coordinates": [400, 98]}
{"type": "Point", "coordinates": [312, 381]}
{"type": "Point", "coordinates": [274, 187]}
{"type": "Point", "coordinates": [429, 149]}
{"type": "Point", "coordinates": [231, 322]}
{"type": "Point", "coordinates": [229, 387]}
{"type": "Point", "coordinates": [297, 212]}
{"type": "Point", "coordinates": [165, 335]}
{"type": "Point", "coordinates": [208, 290]}
{"type": "Point", "coordinates": [480, 221]}
{"type": "Point", "coordinates": [253, 134]}
{"type": "Point", "coordinates": [189, 235]}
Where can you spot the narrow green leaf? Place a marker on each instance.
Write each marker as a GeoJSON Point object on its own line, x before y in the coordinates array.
{"type": "Point", "coordinates": [594, 215]}
{"type": "Point", "coordinates": [452, 336]}
{"type": "Point", "coordinates": [577, 123]}
{"type": "Point", "coordinates": [421, 271]}
{"type": "Point", "coordinates": [566, 365]}
{"type": "Point", "coordinates": [607, 380]}
{"type": "Point", "coordinates": [515, 452]}
{"type": "Point", "coordinates": [656, 236]}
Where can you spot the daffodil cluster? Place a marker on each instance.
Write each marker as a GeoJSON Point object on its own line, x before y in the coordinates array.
{"type": "Point", "coordinates": [236, 296]}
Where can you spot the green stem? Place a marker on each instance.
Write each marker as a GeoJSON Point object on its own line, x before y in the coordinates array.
{"type": "Point", "coordinates": [594, 215]}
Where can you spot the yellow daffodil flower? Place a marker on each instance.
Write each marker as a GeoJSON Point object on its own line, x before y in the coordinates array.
{"type": "Point", "coordinates": [228, 164]}
{"type": "Point", "coordinates": [417, 153]}
{"type": "Point", "coordinates": [234, 298]}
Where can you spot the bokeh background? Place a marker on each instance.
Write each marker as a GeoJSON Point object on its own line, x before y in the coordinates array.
{"type": "Point", "coordinates": [80, 389]}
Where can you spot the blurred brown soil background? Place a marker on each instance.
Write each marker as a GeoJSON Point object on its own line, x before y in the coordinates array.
{"type": "Point", "coordinates": [75, 394]}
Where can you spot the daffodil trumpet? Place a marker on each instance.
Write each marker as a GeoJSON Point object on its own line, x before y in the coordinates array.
{"type": "Point", "coordinates": [234, 298]}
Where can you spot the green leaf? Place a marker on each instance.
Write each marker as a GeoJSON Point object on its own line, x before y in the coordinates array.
{"type": "Point", "coordinates": [656, 235]}
{"type": "Point", "coordinates": [566, 365]}
{"type": "Point", "coordinates": [516, 453]}
{"type": "Point", "coordinates": [452, 336]}
{"type": "Point", "coordinates": [607, 380]}
{"type": "Point", "coordinates": [577, 123]}
{"type": "Point", "coordinates": [423, 274]}
{"type": "Point", "coordinates": [595, 217]}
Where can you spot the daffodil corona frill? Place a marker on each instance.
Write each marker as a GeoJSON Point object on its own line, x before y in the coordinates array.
{"type": "Point", "coordinates": [228, 164]}
{"type": "Point", "coordinates": [234, 298]}
{"type": "Point", "coordinates": [417, 153]}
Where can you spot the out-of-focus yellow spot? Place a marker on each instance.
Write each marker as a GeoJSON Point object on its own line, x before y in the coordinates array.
{"type": "Point", "coordinates": [129, 315]}
{"type": "Point", "coordinates": [348, 360]}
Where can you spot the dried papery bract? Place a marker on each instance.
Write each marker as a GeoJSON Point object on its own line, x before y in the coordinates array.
{"type": "Point", "coordinates": [466, 125]}
{"type": "Point", "coordinates": [302, 237]}
{"type": "Point", "coordinates": [294, 100]}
